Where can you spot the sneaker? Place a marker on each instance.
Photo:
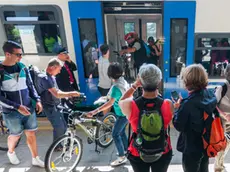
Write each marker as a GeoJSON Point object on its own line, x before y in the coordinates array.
{"type": "Point", "coordinates": [13, 158]}
{"type": "Point", "coordinates": [37, 162]}
{"type": "Point", "coordinates": [119, 161]}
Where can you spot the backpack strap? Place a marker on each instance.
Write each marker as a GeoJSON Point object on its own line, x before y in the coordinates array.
{"type": "Point", "coordinates": [1, 73]}
{"type": "Point", "coordinates": [223, 92]}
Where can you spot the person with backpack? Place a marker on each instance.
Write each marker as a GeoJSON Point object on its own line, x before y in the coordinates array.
{"type": "Point", "coordinates": [223, 98]}
{"type": "Point", "coordinates": [190, 119]}
{"type": "Point", "coordinates": [115, 72]}
{"type": "Point", "coordinates": [16, 94]}
{"type": "Point", "coordinates": [138, 47]}
{"type": "Point", "coordinates": [51, 95]}
{"type": "Point", "coordinates": [149, 116]}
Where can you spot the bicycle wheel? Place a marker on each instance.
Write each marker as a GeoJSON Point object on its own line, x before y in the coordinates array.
{"type": "Point", "coordinates": [67, 157]}
{"type": "Point", "coordinates": [4, 133]}
{"type": "Point", "coordinates": [104, 132]}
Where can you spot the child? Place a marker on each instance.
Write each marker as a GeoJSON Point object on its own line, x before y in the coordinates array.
{"type": "Point", "coordinates": [119, 86]}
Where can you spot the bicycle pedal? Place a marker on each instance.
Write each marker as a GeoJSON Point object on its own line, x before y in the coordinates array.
{"type": "Point", "coordinates": [97, 151]}
{"type": "Point", "coordinates": [89, 141]}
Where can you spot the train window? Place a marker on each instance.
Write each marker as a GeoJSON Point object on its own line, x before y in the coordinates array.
{"type": "Point", "coordinates": [178, 45]}
{"type": "Point", "coordinates": [34, 15]}
{"type": "Point", "coordinates": [129, 27]}
{"type": "Point", "coordinates": [213, 52]}
{"type": "Point", "coordinates": [87, 28]}
{"type": "Point", "coordinates": [151, 30]}
{"type": "Point", "coordinates": [38, 31]}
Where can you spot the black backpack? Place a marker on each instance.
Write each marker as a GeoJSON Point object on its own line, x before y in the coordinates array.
{"type": "Point", "coordinates": [36, 75]}
{"type": "Point", "coordinates": [151, 137]}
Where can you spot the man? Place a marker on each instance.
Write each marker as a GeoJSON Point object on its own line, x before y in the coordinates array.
{"type": "Point", "coordinates": [17, 91]}
{"type": "Point", "coordinates": [65, 79]}
{"type": "Point", "coordinates": [51, 95]}
{"type": "Point", "coordinates": [104, 81]}
{"type": "Point", "coordinates": [137, 47]}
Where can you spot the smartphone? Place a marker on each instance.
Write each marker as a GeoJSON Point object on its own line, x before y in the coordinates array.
{"type": "Point", "coordinates": [175, 95]}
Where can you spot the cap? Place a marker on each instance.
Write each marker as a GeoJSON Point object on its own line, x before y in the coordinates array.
{"type": "Point", "coordinates": [62, 50]}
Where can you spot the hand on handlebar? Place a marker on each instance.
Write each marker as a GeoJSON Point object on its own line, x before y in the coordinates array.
{"type": "Point", "coordinates": [122, 52]}
{"type": "Point", "coordinates": [91, 113]}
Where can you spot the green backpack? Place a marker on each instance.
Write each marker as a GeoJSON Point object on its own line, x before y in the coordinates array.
{"type": "Point", "coordinates": [151, 137]}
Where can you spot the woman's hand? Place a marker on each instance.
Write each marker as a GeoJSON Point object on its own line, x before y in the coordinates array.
{"type": "Point", "coordinates": [176, 104]}
{"type": "Point", "coordinates": [137, 83]}
{"type": "Point", "coordinates": [91, 113]}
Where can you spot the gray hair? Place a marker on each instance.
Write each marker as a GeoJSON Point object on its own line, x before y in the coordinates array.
{"type": "Point", "coordinates": [150, 76]}
{"type": "Point", "coordinates": [55, 62]}
{"type": "Point", "coordinates": [227, 72]}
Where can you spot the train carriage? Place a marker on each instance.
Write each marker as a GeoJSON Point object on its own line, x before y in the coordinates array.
{"type": "Point", "coordinates": [193, 31]}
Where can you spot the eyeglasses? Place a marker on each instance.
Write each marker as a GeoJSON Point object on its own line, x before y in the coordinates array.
{"type": "Point", "coordinates": [18, 54]}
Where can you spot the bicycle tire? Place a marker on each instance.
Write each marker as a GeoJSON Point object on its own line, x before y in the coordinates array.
{"type": "Point", "coordinates": [5, 132]}
{"type": "Point", "coordinates": [6, 148]}
{"type": "Point", "coordinates": [98, 131]}
{"type": "Point", "coordinates": [52, 147]}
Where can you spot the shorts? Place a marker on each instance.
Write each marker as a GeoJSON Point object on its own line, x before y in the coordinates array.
{"type": "Point", "coordinates": [17, 123]}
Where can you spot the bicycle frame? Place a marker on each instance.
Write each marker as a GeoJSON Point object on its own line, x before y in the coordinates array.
{"type": "Point", "coordinates": [82, 123]}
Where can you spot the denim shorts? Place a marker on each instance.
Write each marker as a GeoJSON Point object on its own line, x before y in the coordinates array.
{"type": "Point", "coordinates": [17, 123]}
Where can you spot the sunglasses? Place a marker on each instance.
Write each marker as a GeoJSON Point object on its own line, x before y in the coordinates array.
{"type": "Point", "coordinates": [18, 54]}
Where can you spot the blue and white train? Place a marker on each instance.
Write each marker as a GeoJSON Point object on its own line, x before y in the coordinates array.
{"type": "Point", "coordinates": [193, 30]}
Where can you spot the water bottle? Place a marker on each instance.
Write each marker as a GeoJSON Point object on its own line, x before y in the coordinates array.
{"type": "Point", "coordinates": [139, 141]}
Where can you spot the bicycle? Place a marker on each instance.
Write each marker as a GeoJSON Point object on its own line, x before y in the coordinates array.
{"type": "Point", "coordinates": [4, 133]}
{"type": "Point", "coordinates": [98, 132]}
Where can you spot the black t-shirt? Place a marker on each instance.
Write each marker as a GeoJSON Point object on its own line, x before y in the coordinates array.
{"type": "Point", "coordinates": [153, 59]}
{"type": "Point", "coordinates": [13, 71]}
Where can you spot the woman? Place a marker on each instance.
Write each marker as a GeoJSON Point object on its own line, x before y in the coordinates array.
{"type": "Point", "coordinates": [188, 119]}
{"type": "Point", "coordinates": [149, 78]}
{"type": "Point", "coordinates": [115, 72]}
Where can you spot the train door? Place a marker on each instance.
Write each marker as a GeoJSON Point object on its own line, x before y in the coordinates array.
{"type": "Point", "coordinates": [88, 33]}
{"type": "Point", "coordinates": [179, 27]}
{"type": "Point", "coordinates": [117, 26]}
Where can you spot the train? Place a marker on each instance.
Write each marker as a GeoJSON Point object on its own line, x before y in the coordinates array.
{"type": "Point", "coordinates": [193, 31]}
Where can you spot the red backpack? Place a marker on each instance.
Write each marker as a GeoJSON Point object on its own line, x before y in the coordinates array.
{"type": "Point", "coordinates": [213, 134]}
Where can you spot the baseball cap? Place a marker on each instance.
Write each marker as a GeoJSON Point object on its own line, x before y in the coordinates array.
{"type": "Point", "coordinates": [62, 50]}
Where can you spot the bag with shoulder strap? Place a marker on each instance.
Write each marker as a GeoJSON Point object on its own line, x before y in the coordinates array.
{"type": "Point", "coordinates": [223, 92]}
{"type": "Point", "coordinates": [151, 137]}
{"type": "Point", "coordinates": [36, 74]}
{"type": "Point", "coordinates": [213, 136]}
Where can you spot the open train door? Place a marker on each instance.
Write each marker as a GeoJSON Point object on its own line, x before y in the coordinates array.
{"type": "Point", "coordinates": [88, 33]}
{"type": "Point", "coordinates": [179, 27]}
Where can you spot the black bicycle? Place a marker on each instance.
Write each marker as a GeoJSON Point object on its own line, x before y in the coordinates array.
{"type": "Point", "coordinates": [68, 157]}
{"type": "Point", "coordinates": [4, 133]}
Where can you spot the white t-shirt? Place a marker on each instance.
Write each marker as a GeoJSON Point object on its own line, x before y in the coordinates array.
{"type": "Point", "coordinates": [104, 81]}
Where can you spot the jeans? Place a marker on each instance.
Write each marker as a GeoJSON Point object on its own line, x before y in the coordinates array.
{"type": "Point", "coordinates": [17, 122]}
{"type": "Point", "coordinates": [195, 162]}
{"type": "Point", "coordinates": [119, 135]}
{"type": "Point", "coordinates": [160, 165]}
{"type": "Point", "coordinates": [57, 121]}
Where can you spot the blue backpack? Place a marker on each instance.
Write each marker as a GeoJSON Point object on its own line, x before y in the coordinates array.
{"type": "Point", "coordinates": [148, 51]}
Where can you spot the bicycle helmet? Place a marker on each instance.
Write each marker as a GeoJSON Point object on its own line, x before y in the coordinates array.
{"type": "Point", "coordinates": [130, 35]}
